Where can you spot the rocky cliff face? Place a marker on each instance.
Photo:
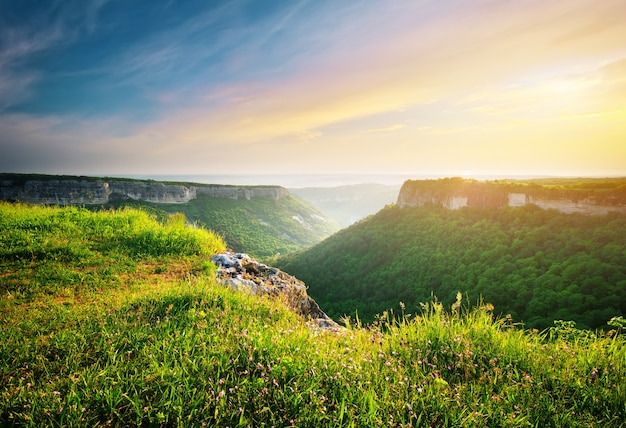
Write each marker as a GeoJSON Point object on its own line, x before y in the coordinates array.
{"type": "Point", "coordinates": [241, 272]}
{"type": "Point", "coordinates": [79, 191]}
{"type": "Point", "coordinates": [455, 193]}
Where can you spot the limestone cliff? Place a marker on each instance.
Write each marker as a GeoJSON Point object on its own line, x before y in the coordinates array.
{"type": "Point", "coordinates": [242, 272]}
{"type": "Point", "coordinates": [61, 190]}
{"type": "Point", "coordinates": [454, 193]}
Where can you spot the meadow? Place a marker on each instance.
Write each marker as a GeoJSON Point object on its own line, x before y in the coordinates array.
{"type": "Point", "coordinates": [113, 318]}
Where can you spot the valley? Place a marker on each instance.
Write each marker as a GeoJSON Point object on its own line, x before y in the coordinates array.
{"type": "Point", "coordinates": [452, 235]}
{"type": "Point", "coordinates": [115, 318]}
{"type": "Point", "coordinates": [262, 220]}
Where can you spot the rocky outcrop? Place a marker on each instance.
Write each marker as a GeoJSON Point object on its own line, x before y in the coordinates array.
{"type": "Point", "coordinates": [242, 272]}
{"type": "Point", "coordinates": [151, 191]}
{"type": "Point", "coordinates": [454, 193]}
{"type": "Point", "coordinates": [236, 192]}
{"type": "Point", "coordinates": [55, 192]}
{"type": "Point", "coordinates": [85, 191]}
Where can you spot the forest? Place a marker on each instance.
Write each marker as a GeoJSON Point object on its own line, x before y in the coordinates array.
{"type": "Point", "coordinates": [533, 265]}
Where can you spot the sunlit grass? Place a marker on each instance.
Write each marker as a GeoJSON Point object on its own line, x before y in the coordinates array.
{"type": "Point", "coordinates": [157, 342]}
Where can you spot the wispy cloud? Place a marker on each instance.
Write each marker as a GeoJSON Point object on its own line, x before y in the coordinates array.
{"type": "Point", "coordinates": [54, 26]}
{"type": "Point", "coordinates": [389, 128]}
{"type": "Point", "coordinates": [306, 80]}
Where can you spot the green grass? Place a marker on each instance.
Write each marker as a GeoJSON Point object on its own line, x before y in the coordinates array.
{"type": "Point", "coordinates": [154, 341]}
{"type": "Point", "coordinates": [262, 227]}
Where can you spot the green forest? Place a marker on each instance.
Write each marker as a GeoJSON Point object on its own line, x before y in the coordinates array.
{"type": "Point", "coordinates": [535, 265]}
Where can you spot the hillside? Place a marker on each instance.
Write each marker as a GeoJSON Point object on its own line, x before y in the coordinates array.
{"type": "Point", "coordinates": [260, 220]}
{"type": "Point", "coordinates": [348, 204]}
{"type": "Point", "coordinates": [115, 319]}
{"type": "Point", "coordinates": [262, 227]}
{"type": "Point", "coordinates": [536, 265]}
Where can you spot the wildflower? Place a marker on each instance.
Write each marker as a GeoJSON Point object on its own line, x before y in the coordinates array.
{"type": "Point", "coordinates": [56, 392]}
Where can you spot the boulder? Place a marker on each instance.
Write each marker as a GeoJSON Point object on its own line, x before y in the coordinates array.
{"type": "Point", "coordinates": [242, 272]}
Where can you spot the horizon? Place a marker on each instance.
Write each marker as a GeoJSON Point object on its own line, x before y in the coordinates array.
{"type": "Point", "coordinates": [300, 181]}
{"type": "Point", "coordinates": [472, 89]}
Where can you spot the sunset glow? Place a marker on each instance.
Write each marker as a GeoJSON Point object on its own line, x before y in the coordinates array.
{"type": "Point", "coordinates": [505, 87]}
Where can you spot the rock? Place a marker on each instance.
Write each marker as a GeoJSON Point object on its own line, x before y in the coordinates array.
{"type": "Point", "coordinates": [454, 193]}
{"type": "Point", "coordinates": [240, 271]}
{"type": "Point", "coordinates": [66, 190]}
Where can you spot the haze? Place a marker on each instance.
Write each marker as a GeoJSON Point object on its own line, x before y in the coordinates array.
{"type": "Point", "coordinates": [266, 87]}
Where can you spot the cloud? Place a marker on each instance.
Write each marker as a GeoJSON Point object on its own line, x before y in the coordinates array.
{"type": "Point", "coordinates": [42, 30]}
{"type": "Point", "coordinates": [216, 44]}
{"type": "Point", "coordinates": [389, 128]}
{"type": "Point", "coordinates": [396, 69]}
{"type": "Point", "coordinates": [305, 82]}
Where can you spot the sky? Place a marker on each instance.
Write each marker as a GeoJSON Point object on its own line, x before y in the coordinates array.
{"type": "Point", "coordinates": [415, 87]}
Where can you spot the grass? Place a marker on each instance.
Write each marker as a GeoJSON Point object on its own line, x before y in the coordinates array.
{"type": "Point", "coordinates": [262, 227]}
{"type": "Point", "coordinates": [149, 339]}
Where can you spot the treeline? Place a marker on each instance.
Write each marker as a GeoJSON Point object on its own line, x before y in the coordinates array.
{"type": "Point", "coordinates": [536, 265]}
{"type": "Point", "coordinates": [609, 191]}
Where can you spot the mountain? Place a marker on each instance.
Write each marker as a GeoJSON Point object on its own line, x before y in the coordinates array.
{"type": "Point", "coordinates": [112, 318]}
{"type": "Point", "coordinates": [536, 265]}
{"type": "Point", "coordinates": [350, 203]}
{"type": "Point", "coordinates": [260, 220]}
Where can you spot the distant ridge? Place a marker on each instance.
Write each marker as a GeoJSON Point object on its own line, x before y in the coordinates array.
{"type": "Point", "coordinates": [586, 196]}
{"type": "Point", "coordinates": [71, 190]}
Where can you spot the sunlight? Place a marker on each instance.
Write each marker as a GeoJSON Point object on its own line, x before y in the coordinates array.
{"type": "Point", "coordinates": [570, 86]}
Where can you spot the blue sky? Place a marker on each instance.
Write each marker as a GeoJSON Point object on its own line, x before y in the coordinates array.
{"type": "Point", "coordinates": [277, 87]}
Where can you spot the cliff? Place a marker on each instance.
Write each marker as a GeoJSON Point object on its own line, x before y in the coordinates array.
{"type": "Point", "coordinates": [62, 190]}
{"type": "Point", "coordinates": [587, 197]}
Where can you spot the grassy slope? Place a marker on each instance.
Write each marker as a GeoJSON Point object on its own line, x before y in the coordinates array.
{"type": "Point", "coordinates": [261, 227]}
{"type": "Point", "coordinates": [114, 319]}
